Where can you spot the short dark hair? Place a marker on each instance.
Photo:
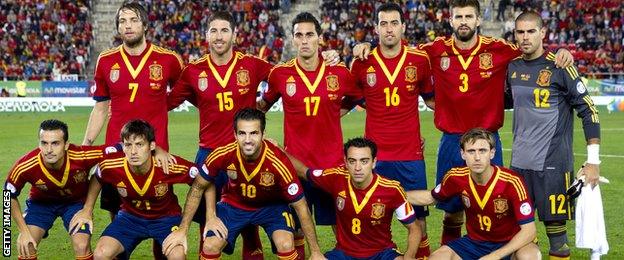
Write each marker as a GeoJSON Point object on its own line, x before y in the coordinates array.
{"type": "Point", "coordinates": [531, 16]}
{"type": "Point", "coordinates": [361, 142]}
{"type": "Point", "coordinates": [305, 17]}
{"type": "Point", "coordinates": [250, 114]}
{"type": "Point", "coordinates": [389, 7]}
{"type": "Point", "coordinates": [53, 124]}
{"type": "Point", "coordinates": [475, 134]}
{"type": "Point", "coordinates": [466, 3]}
{"type": "Point", "coordinates": [223, 15]}
{"type": "Point", "coordinates": [137, 8]}
{"type": "Point", "coordinates": [138, 127]}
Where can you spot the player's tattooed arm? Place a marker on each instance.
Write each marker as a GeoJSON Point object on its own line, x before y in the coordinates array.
{"type": "Point", "coordinates": [420, 197]}
{"type": "Point", "coordinates": [300, 168]}
{"type": "Point", "coordinates": [98, 117]}
{"type": "Point", "coordinates": [414, 235]}
{"type": "Point", "coordinates": [301, 208]}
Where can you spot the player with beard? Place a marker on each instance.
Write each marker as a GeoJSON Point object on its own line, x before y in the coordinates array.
{"type": "Point", "coordinates": [469, 72]}
{"type": "Point", "coordinates": [131, 83]}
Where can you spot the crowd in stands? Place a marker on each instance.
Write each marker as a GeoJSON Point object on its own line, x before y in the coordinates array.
{"type": "Point", "coordinates": [42, 39]}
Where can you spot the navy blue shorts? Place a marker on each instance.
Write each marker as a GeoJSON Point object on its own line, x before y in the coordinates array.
{"type": "Point", "coordinates": [321, 204]}
{"type": "Point", "coordinates": [449, 156]}
{"type": "Point", "coordinates": [411, 174]}
{"type": "Point", "coordinates": [130, 230]}
{"type": "Point", "coordinates": [270, 218]}
{"type": "Point", "coordinates": [467, 248]}
{"type": "Point", "coordinates": [389, 253]}
{"type": "Point", "coordinates": [43, 215]}
{"type": "Point", "coordinates": [220, 181]}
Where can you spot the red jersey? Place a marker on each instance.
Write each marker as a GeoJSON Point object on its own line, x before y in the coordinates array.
{"type": "Point", "coordinates": [312, 102]}
{"type": "Point", "coordinates": [136, 87]}
{"type": "Point", "coordinates": [363, 217]}
{"type": "Point", "coordinates": [219, 92]}
{"type": "Point", "coordinates": [495, 211]}
{"type": "Point", "coordinates": [70, 184]}
{"type": "Point", "coordinates": [469, 84]}
{"type": "Point", "coordinates": [252, 185]}
{"type": "Point", "coordinates": [148, 196]}
{"type": "Point", "coordinates": [391, 88]}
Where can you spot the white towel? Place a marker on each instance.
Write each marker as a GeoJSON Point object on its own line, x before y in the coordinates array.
{"type": "Point", "coordinates": [590, 225]}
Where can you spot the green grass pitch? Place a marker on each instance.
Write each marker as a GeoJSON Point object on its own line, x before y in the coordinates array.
{"type": "Point", "coordinates": [19, 135]}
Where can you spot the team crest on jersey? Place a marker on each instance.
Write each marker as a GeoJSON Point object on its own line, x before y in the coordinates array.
{"type": "Point", "coordinates": [465, 199]}
{"type": "Point", "coordinates": [242, 78]}
{"type": "Point", "coordinates": [500, 205]}
{"type": "Point", "coordinates": [267, 179]}
{"type": "Point", "coordinates": [371, 77]}
{"type": "Point", "coordinates": [155, 72]}
{"type": "Point", "coordinates": [114, 73]}
{"type": "Point", "coordinates": [410, 74]}
{"type": "Point", "coordinates": [332, 83]}
{"type": "Point", "coordinates": [379, 210]}
{"type": "Point", "coordinates": [122, 191]}
{"type": "Point", "coordinates": [543, 79]}
{"type": "Point", "coordinates": [485, 61]}
{"type": "Point", "coordinates": [291, 89]}
{"type": "Point", "coordinates": [445, 62]}
{"type": "Point", "coordinates": [340, 203]}
{"type": "Point", "coordinates": [80, 176]}
{"type": "Point", "coordinates": [232, 174]}
{"type": "Point", "coordinates": [161, 189]}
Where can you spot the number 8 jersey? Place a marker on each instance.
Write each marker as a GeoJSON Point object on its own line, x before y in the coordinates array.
{"type": "Point", "coordinates": [136, 87]}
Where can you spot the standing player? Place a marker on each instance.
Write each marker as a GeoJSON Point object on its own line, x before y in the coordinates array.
{"type": "Point", "coordinates": [499, 214]}
{"type": "Point", "coordinates": [542, 146]}
{"type": "Point", "coordinates": [391, 82]}
{"type": "Point", "coordinates": [58, 174]}
{"type": "Point", "coordinates": [312, 95]}
{"type": "Point", "coordinates": [261, 184]}
{"type": "Point", "coordinates": [149, 207]}
{"type": "Point", "coordinates": [469, 82]}
{"type": "Point", "coordinates": [364, 214]}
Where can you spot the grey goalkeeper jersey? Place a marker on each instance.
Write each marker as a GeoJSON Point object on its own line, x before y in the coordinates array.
{"type": "Point", "coordinates": [543, 99]}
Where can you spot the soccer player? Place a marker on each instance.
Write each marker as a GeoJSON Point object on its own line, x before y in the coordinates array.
{"type": "Point", "coordinates": [468, 69]}
{"type": "Point", "coordinates": [149, 207]}
{"type": "Point", "coordinates": [499, 213]}
{"type": "Point", "coordinates": [391, 81]}
{"type": "Point", "coordinates": [131, 83]}
{"type": "Point", "coordinates": [543, 98]}
{"type": "Point", "coordinates": [58, 174]}
{"type": "Point", "coordinates": [364, 213]}
{"type": "Point", "coordinates": [312, 95]}
{"type": "Point", "coordinates": [261, 185]}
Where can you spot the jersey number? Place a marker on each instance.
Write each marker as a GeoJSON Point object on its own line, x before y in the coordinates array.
{"type": "Point", "coordinates": [356, 226]}
{"type": "Point", "coordinates": [134, 87]}
{"type": "Point", "coordinates": [485, 222]}
{"type": "Point", "coordinates": [225, 101]}
{"type": "Point", "coordinates": [289, 219]}
{"type": "Point", "coordinates": [553, 204]}
{"type": "Point", "coordinates": [392, 98]}
{"type": "Point", "coordinates": [464, 84]}
{"type": "Point", "coordinates": [312, 101]}
{"type": "Point", "coordinates": [541, 97]}
{"type": "Point", "coordinates": [138, 203]}
{"type": "Point", "coordinates": [248, 190]}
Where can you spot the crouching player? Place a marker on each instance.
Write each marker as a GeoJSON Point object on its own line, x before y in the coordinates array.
{"type": "Point", "coordinates": [499, 214]}
{"type": "Point", "coordinates": [149, 207]}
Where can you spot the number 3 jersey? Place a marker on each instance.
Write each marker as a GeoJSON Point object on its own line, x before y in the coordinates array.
{"type": "Point", "coordinates": [149, 195]}
{"type": "Point", "coordinates": [494, 211]}
{"type": "Point", "coordinates": [136, 87]}
{"type": "Point", "coordinates": [363, 216]}
{"type": "Point", "coordinates": [268, 180]}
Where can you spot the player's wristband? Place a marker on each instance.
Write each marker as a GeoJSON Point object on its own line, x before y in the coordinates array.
{"type": "Point", "coordinates": [593, 151]}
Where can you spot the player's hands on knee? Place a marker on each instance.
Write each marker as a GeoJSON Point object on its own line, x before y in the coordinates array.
{"type": "Point", "coordinates": [592, 173]}
{"type": "Point", "coordinates": [317, 256]}
{"type": "Point", "coordinates": [564, 58]}
{"type": "Point", "coordinates": [81, 218]}
{"type": "Point", "coordinates": [215, 225]}
{"type": "Point", "coordinates": [26, 244]}
{"type": "Point", "coordinates": [164, 159]}
{"type": "Point", "coordinates": [489, 257]}
{"type": "Point", "coordinates": [361, 50]}
{"type": "Point", "coordinates": [331, 57]}
{"type": "Point", "coordinates": [175, 238]}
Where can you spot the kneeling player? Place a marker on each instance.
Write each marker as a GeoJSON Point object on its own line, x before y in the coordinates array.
{"type": "Point", "coordinates": [364, 204]}
{"type": "Point", "coordinates": [261, 184]}
{"type": "Point", "coordinates": [149, 207]}
{"type": "Point", "coordinates": [499, 214]}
